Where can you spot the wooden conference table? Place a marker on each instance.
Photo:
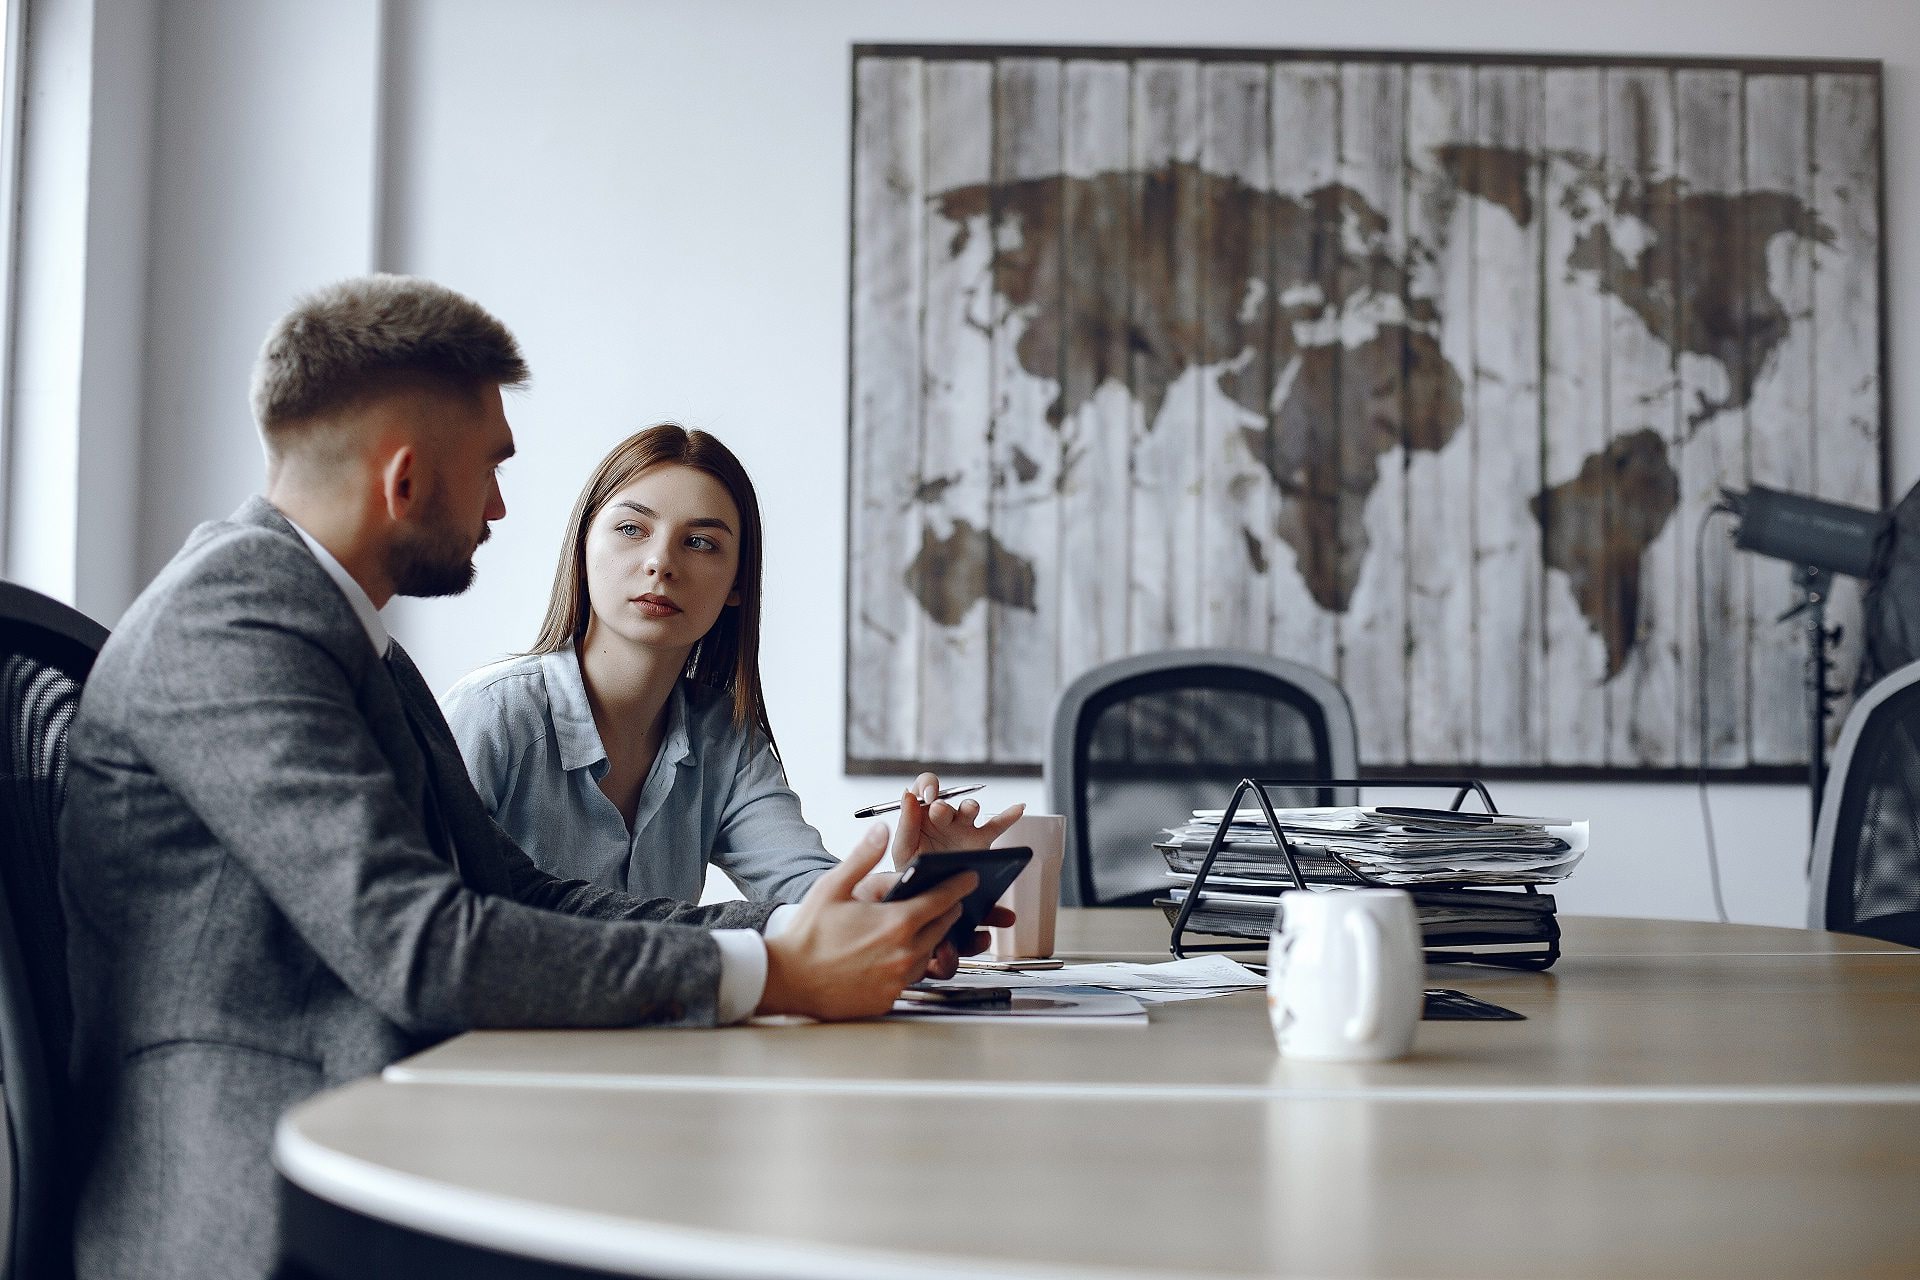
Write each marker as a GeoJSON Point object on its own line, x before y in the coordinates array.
{"type": "Point", "coordinates": [1684, 1099]}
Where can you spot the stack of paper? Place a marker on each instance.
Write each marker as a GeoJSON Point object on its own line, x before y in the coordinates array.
{"type": "Point", "coordinates": [1386, 845]}
{"type": "Point", "coordinates": [1459, 868]}
{"type": "Point", "coordinates": [1443, 913]}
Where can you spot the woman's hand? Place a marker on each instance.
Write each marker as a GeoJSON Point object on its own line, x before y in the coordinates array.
{"type": "Point", "coordinates": [929, 825]}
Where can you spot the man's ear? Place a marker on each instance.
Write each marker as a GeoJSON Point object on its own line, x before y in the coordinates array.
{"type": "Point", "coordinates": [399, 482]}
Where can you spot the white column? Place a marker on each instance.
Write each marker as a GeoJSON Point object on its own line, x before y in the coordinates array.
{"type": "Point", "coordinates": [80, 300]}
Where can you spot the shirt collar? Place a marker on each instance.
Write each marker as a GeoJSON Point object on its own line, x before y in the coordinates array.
{"type": "Point", "coordinates": [677, 748]}
{"type": "Point", "coordinates": [573, 727]}
{"type": "Point", "coordinates": [356, 595]}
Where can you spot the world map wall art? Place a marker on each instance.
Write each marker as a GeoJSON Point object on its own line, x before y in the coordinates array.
{"type": "Point", "coordinates": [1422, 370]}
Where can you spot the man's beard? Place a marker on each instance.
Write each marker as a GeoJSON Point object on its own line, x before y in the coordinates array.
{"type": "Point", "coordinates": [433, 558]}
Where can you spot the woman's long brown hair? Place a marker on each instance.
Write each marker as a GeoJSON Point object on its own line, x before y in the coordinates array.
{"type": "Point", "coordinates": [728, 656]}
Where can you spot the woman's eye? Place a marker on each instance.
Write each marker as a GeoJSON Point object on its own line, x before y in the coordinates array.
{"type": "Point", "coordinates": [629, 529]}
{"type": "Point", "coordinates": [703, 544]}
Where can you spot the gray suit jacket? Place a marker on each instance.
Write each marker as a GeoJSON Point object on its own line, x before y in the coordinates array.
{"type": "Point", "coordinates": [276, 880]}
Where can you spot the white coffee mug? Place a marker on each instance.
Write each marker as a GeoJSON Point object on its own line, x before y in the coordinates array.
{"type": "Point", "coordinates": [1344, 975]}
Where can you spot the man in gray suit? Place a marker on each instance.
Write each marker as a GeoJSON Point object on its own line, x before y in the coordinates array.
{"type": "Point", "coordinates": [276, 873]}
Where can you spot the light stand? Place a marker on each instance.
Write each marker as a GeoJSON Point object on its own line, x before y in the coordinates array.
{"type": "Point", "coordinates": [1819, 539]}
{"type": "Point", "coordinates": [1814, 584]}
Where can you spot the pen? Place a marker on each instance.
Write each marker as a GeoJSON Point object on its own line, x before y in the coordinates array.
{"type": "Point", "coordinates": [875, 810]}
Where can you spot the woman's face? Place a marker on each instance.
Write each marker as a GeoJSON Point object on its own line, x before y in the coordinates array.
{"type": "Point", "coordinates": [662, 558]}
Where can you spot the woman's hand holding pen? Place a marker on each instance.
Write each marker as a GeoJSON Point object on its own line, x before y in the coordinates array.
{"type": "Point", "coordinates": [930, 825]}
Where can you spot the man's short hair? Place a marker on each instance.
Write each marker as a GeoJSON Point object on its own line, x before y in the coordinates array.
{"type": "Point", "coordinates": [364, 335]}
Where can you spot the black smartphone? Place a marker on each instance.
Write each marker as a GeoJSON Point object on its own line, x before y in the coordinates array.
{"type": "Point", "coordinates": [1457, 1006]}
{"type": "Point", "coordinates": [997, 869]}
{"type": "Point", "coordinates": [954, 995]}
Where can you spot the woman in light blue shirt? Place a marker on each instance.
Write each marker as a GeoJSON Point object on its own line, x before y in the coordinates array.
{"type": "Point", "coordinates": [630, 746]}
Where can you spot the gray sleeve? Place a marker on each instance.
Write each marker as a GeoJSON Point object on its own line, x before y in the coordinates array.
{"type": "Point", "coordinates": [251, 718]}
{"type": "Point", "coordinates": [763, 843]}
{"type": "Point", "coordinates": [536, 888]}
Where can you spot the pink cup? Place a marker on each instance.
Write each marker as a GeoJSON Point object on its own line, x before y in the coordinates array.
{"type": "Point", "coordinates": [1035, 896]}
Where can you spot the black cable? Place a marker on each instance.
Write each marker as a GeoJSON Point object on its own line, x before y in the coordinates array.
{"type": "Point", "coordinates": [1700, 684]}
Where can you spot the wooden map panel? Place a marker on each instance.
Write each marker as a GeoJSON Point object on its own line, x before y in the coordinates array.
{"type": "Point", "coordinates": [1421, 370]}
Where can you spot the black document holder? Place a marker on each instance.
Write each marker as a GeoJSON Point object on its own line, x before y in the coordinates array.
{"type": "Point", "coordinates": [1535, 952]}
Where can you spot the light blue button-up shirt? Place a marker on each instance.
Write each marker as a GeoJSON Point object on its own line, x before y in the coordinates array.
{"type": "Point", "coordinates": [716, 792]}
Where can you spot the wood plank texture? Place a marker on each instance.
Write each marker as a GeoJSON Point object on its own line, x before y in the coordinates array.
{"type": "Point", "coordinates": [1235, 500]}
{"type": "Point", "coordinates": [1423, 371]}
{"type": "Point", "coordinates": [1712, 450]}
{"type": "Point", "coordinates": [1579, 608]}
{"type": "Point", "coordinates": [1506, 397]}
{"type": "Point", "coordinates": [1443, 637]}
{"type": "Point", "coordinates": [1642, 400]}
{"type": "Point", "coordinates": [1024, 448]}
{"type": "Point", "coordinates": [957, 382]}
{"type": "Point", "coordinates": [1372, 512]}
{"type": "Point", "coordinates": [1098, 412]}
{"type": "Point", "coordinates": [1302, 456]}
{"type": "Point", "coordinates": [883, 622]}
{"type": "Point", "coordinates": [1165, 531]}
{"type": "Point", "coordinates": [1780, 420]}
{"type": "Point", "coordinates": [1846, 308]}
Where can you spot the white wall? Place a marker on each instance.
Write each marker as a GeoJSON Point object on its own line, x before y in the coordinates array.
{"type": "Point", "coordinates": [654, 196]}
{"type": "Point", "coordinates": [265, 185]}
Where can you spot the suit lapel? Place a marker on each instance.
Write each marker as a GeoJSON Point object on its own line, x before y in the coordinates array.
{"type": "Point", "coordinates": [453, 812]}
{"type": "Point", "coordinates": [457, 824]}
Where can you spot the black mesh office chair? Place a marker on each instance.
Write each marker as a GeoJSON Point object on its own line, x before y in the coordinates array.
{"type": "Point", "coordinates": [1139, 743]}
{"type": "Point", "coordinates": [46, 650]}
{"type": "Point", "coordinates": [1866, 849]}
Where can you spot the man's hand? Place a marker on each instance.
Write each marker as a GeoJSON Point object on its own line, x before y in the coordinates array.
{"type": "Point", "coordinates": [845, 955]}
{"type": "Point", "coordinates": [946, 957]}
{"type": "Point", "coordinates": [930, 825]}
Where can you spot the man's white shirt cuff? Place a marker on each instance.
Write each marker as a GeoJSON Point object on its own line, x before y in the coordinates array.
{"type": "Point", "coordinates": [743, 965]}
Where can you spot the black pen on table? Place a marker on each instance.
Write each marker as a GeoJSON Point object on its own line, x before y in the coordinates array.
{"type": "Point", "coordinates": [875, 810]}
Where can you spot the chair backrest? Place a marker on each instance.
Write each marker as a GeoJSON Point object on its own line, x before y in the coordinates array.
{"type": "Point", "coordinates": [1866, 847]}
{"type": "Point", "coordinates": [46, 651]}
{"type": "Point", "coordinates": [1139, 743]}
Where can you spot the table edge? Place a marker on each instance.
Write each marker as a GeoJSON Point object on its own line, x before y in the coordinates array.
{"type": "Point", "coordinates": [622, 1246]}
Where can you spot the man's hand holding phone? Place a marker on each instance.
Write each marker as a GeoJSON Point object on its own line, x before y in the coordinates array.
{"type": "Point", "coordinates": [994, 870]}
{"type": "Point", "coordinates": [848, 953]}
